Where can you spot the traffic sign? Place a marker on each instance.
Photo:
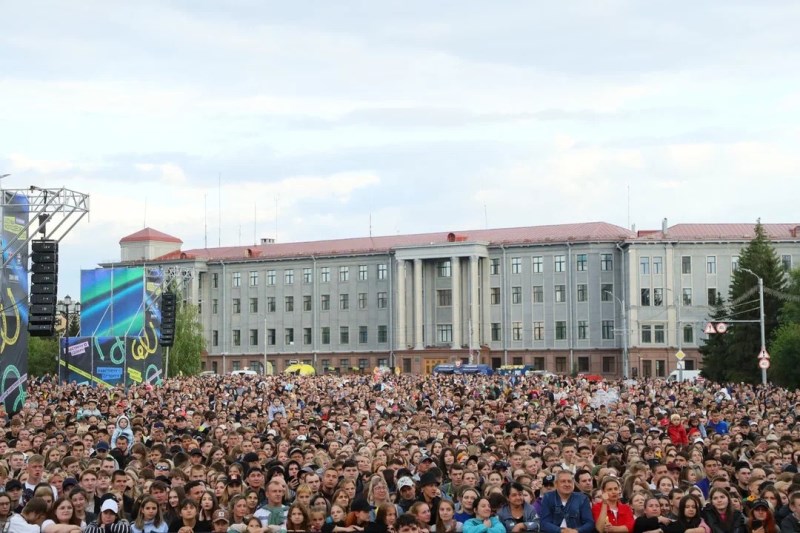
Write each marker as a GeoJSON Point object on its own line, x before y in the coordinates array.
{"type": "Point", "coordinates": [763, 354]}
{"type": "Point", "coordinates": [710, 329]}
{"type": "Point", "coordinates": [764, 363]}
{"type": "Point", "coordinates": [722, 327]}
{"type": "Point", "coordinates": [681, 365]}
{"type": "Point", "coordinates": [680, 355]}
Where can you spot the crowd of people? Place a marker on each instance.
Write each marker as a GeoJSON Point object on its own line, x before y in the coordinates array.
{"type": "Point", "coordinates": [401, 454]}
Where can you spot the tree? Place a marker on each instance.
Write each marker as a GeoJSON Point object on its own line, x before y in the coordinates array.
{"type": "Point", "coordinates": [785, 348]}
{"type": "Point", "coordinates": [42, 355]}
{"type": "Point", "coordinates": [184, 355]}
{"type": "Point", "coordinates": [734, 358]}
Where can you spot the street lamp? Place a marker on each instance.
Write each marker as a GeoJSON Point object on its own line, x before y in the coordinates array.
{"type": "Point", "coordinates": [760, 318]}
{"type": "Point", "coordinates": [624, 315]}
{"type": "Point", "coordinates": [66, 305]}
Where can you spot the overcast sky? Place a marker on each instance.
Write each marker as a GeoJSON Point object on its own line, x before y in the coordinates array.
{"type": "Point", "coordinates": [419, 115]}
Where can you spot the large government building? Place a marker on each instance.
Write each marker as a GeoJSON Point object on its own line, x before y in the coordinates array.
{"type": "Point", "coordinates": [590, 297]}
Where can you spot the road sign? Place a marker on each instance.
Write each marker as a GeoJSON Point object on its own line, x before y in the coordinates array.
{"type": "Point", "coordinates": [681, 365]}
{"type": "Point", "coordinates": [764, 363]}
{"type": "Point", "coordinates": [680, 355]}
{"type": "Point", "coordinates": [763, 354]}
{"type": "Point", "coordinates": [722, 327]}
{"type": "Point", "coordinates": [710, 329]}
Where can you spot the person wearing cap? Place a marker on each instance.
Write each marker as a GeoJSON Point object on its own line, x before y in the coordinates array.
{"type": "Point", "coordinates": [564, 510]}
{"type": "Point", "coordinates": [761, 518]}
{"type": "Point", "coordinates": [676, 431]}
{"type": "Point", "coordinates": [219, 521]}
{"type": "Point", "coordinates": [108, 521]}
{"type": "Point", "coordinates": [405, 493]}
{"type": "Point", "coordinates": [429, 493]}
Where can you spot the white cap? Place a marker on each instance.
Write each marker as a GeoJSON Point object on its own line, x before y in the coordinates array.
{"type": "Point", "coordinates": [110, 505]}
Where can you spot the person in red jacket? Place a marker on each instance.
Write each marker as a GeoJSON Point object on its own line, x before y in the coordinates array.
{"type": "Point", "coordinates": [610, 514]}
{"type": "Point", "coordinates": [676, 431]}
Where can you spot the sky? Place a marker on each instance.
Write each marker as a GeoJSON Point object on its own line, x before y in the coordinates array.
{"type": "Point", "coordinates": [226, 122]}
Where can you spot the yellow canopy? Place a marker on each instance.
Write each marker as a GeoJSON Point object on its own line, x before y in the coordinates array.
{"type": "Point", "coordinates": [301, 369]}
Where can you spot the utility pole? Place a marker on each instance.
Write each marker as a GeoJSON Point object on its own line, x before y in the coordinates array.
{"type": "Point", "coordinates": [760, 318]}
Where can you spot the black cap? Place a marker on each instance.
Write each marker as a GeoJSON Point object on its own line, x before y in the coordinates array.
{"type": "Point", "coordinates": [196, 451]}
{"type": "Point", "coordinates": [250, 457]}
{"type": "Point", "coordinates": [549, 480]}
{"type": "Point", "coordinates": [760, 503]}
{"type": "Point", "coordinates": [234, 480]}
{"type": "Point", "coordinates": [13, 484]}
{"type": "Point", "coordinates": [428, 478]}
{"type": "Point", "coordinates": [68, 482]}
{"type": "Point", "coordinates": [615, 448]}
{"type": "Point", "coordinates": [360, 505]}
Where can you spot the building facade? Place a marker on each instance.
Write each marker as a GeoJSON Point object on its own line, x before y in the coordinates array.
{"type": "Point", "coordinates": [593, 298]}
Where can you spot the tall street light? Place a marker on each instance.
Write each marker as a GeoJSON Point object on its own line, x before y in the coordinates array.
{"type": "Point", "coordinates": [67, 304]}
{"type": "Point", "coordinates": [624, 314]}
{"type": "Point", "coordinates": [760, 318]}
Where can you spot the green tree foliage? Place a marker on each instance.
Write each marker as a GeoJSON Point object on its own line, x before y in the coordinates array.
{"type": "Point", "coordinates": [184, 355]}
{"type": "Point", "coordinates": [785, 348]}
{"type": "Point", "coordinates": [734, 357]}
{"type": "Point", "coordinates": [42, 355]}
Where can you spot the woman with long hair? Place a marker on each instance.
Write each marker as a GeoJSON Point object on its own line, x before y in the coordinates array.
{"type": "Point", "coordinates": [238, 510]}
{"type": "Point", "coordinates": [466, 504]}
{"type": "Point", "coordinates": [149, 519]}
{"type": "Point", "coordinates": [385, 517]}
{"type": "Point", "coordinates": [485, 520]}
{"type": "Point", "coordinates": [720, 515]}
{"type": "Point", "coordinates": [422, 512]}
{"type": "Point", "coordinates": [610, 514]}
{"type": "Point", "coordinates": [79, 498]}
{"type": "Point", "coordinates": [689, 519]}
{"type": "Point", "coordinates": [762, 519]}
{"type": "Point", "coordinates": [174, 498]}
{"type": "Point", "coordinates": [378, 494]}
{"type": "Point", "coordinates": [652, 520]}
{"type": "Point", "coordinates": [61, 518]}
{"type": "Point", "coordinates": [208, 504]}
{"type": "Point", "coordinates": [189, 518]}
{"type": "Point", "coordinates": [342, 499]}
{"type": "Point", "coordinates": [297, 519]}
{"type": "Point", "coordinates": [445, 518]}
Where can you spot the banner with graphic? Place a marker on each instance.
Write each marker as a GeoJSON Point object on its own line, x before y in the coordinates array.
{"type": "Point", "coordinates": [14, 302]}
{"type": "Point", "coordinates": [113, 301]}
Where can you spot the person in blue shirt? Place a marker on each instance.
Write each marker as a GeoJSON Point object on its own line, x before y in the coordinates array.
{"type": "Point", "coordinates": [717, 423]}
{"type": "Point", "coordinates": [564, 510]}
{"type": "Point", "coordinates": [485, 521]}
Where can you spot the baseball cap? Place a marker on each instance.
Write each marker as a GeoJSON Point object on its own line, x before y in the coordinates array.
{"type": "Point", "coordinates": [102, 445]}
{"type": "Point", "coordinates": [68, 482]}
{"type": "Point", "coordinates": [234, 480]}
{"type": "Point", "coordinates": [13, 484]}
{"type": "Point", "coordinates": [549, 481]}
{"type": "Point", "coordinates": [615, 448]}
{"type": "Point", "coordinates": [220, 516]}
{"type": "Point", "coordinates": [110, 505]}
{"type": "Point", "coordinates": [196, 451]}
{"type": "Point", "coordinates": [760, 503]}
{"type": "Point", "coordinates": [402, 483]}
{"type": "Point", "coordinates": [360, 505]}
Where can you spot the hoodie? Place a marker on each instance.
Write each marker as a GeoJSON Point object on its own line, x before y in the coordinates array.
{"type": "Point", "coordinates": [127, 431]}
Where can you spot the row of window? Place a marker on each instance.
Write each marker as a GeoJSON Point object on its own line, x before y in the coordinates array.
{"type": "Point", "coordinates": [289, 336]}
{"type": "Point", "coordinates": [712, 297]}
{"type": "Point", "coordinates": [258, 366]}
{"type": "Point", "coordinates": [657, 265]}
{"type": "Point", "coordinates": [560, 330]}
{"type": "Point", "coordinates": [656, 334]}
{"type": "Point", "coordinates": [271, 276]}
{"type": "Point", "coordinates": [559, 293]}
{"type": "Point", "coordinates": [289, 303]}
{"type": "Point", "coordinates": [559, 264]}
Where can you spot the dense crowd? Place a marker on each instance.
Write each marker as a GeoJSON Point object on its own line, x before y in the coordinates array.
{"type": "Point", "coordinates": [401, 454]}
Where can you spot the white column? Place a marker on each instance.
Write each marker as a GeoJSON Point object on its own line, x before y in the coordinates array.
{"type": "Point", "coordinates": [418, 341]}
{"type": "Point", "coordinates": [474, 318]}
{"type": "Point", "coordinates": [400, 323]}
{"type": "Point", "coordinates": [486, 302]}
{"type": "Point", "coordinates": [455, 269]}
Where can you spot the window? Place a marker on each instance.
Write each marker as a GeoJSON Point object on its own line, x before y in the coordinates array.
{"type": "Point", "coordinates": [326, 363]}
{"type": "Point", "coordinates": [686, 264]}
{"type": "Point", "coordinates": [254, 305]}
{"type": "Point", "coordinates": [344, 364]}
{"type": "Point", "coordinates": [786, 261]}
{"type": "Point", "coordinates": [559, 263]}
{"type": "Point", "coordinates": [516, 295]}
{"type": "Point", "coordinates": [494, 266]}
{"type": "Point", "coordinates": [443, 268]}
{"type": "Point", "coordinates": [325, 274]}
{"type": "Point", "coordinates": [235, 365]}
{"type": "Point", "coordinates": [606, 262]}
{"type": "Point", "coordinates": [538, 265]}
{"type": "Point", "coordinates": [538, 331]}
{"type": "Point", "coordinates": [516, 331]}
{"type": "Point", "coordinates": [608, 365]}
{"type": "Point", "coordinates": [237, 337]}
{"type": "Point", "coordinates": [363, 334]}
{"type": "Point", "coordinates": [362, 272]}
{"type": "Point", "coordinates": [516, 361]}
{"type": "Point", "coordinates": [561, 330]}
{"type": "Point", "coordinates": [214, 306]}
{"type": "Point", "coordinates": [362, 300]}
{"type": "Point", "coordinates": [711, 264]}
{"type": "Point", "coordinates": [289, 336]}
{"type": "Point", "coordinates": [363, 364]}
{"type": "Point", "coordinates": [538, 294]}
{"type": "Point", "coordinates": [288, 304]}
{"type": "Point", "coordinates": [215, 281]}
{"type": "Point", "coordinates": [538, 363]}
{"type": "Point", "coordinates": [583, 329]}
{"type": "Point", "coordinates": [237, 306]}
{"type": "Point", "coordinates": [583, 364]}
{"type": "Point", "coordinates": [325, 335]}
{"type": "Point", "coordinates": [516, 265]}
{"type": "Point", "coordinates": [271, 337]}
{"type": "Point", "coordinates": [407, 365]}
{"type": "Point", "coordinates": [270, 304]}
{"type": "Point", "coordinates": [307, 302]}
{"type": "Point", "coordinates": [712, 296]}
{"type": "Point", "coordinates": [237, 279]}
{"type": "Point", "coordinates": [658, 332]}
{"type": "Point", "coordinates": [307, 336]}
{"type": "Point", "coordinates": [647, 334]}
{"type": "Point", "coordinates": [735, 263]}
{"type": "Point", "coordinates": [561, 364]}
{"type": "Point", "coordinates": [687, 296]}
{"type": "Point", "coordinates": [215, 338]}
{"type": "Point", "coordinates": [444, 297]}
{"type": "Point", "coordinates": [644, 266]}
{"type": "Point", "coordinates": [253, 337]}
{"type": "Point", "coordinates": [658, 297]}
{"type": "Point", "coordinates": [561, 293]}
{"type": "Point", "coordinates": [383, 300]}
{"type": "Point", "coordinates": [271, 277]}
{"type": "Point", "coordinates": [344, 302]}
{"type": "Point", "coordinates": [288, 277]}
{"type": "Point", "coordinates": [383, 271]}
{"type": "Point", "coordinates": [444, 332]}
{"type": "Point", "coordinates": [495, 331]}
{"type": "Point", "coordinates": [581, 262]}
{"type": "Point", "coordinates": [383, 334]}
{"type": "Point", "coordinates": [688, 333]}
{"type": "Point", "coordinates": [645, 300]}
{"type": "Point", "coordinates": [661, 368]}
{"type": "Point", "coordinates": [307, 275]}
{"type": "Point", "coordinates": [607, 292]}
{"type": "Point", "coordinates": [253, 278]}
{"type": "Point", "coordinates": [325, 302]}
{"type": "Point", "coordinates": [658, 264]}
{"type": "Point", "coordinates": [608, 330]}
{"type": "Point", "coordinates": [495, 295]}
{"type": "Point", "coordinates": [583, 292]}
{"type": "Point", "coordinates": [344, 273]}
{"type": "Point", "coordinates": [344, 335]}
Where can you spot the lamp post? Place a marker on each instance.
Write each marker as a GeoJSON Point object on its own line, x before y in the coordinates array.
{"type": "Point", "coordinates": [66, 305]}
{"type": "Point", "coordinates": [760, 318]}
{"type": "Point", "coordinates": [624, 316]}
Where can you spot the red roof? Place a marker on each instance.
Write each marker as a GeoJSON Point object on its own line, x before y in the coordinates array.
{"type": "Point", "coordinates": [721, 232]}
{"type": "Point", "coordinates": [150, 234]}
{"type": "Point", "coordinates": [581, 232]}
